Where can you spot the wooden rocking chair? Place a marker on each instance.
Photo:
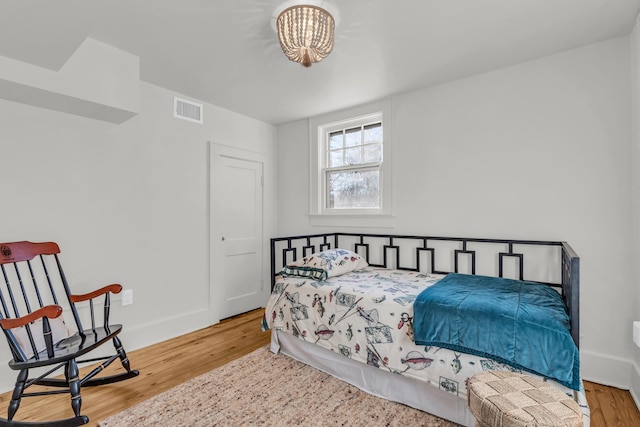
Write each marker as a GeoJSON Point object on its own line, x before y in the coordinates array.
{"type": "Point", "coordinates": [30, 317]}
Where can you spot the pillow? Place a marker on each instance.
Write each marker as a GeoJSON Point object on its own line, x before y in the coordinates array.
{"type": "Point", "coordinates": [322, 265]}
{"type": "Point", "coordinates": [59, 332]}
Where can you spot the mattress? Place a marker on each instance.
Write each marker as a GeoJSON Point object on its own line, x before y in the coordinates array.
{"type": "Point", "coordinates": [366, 316]}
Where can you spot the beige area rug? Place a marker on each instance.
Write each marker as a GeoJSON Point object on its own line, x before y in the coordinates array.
{"type": "Point", "coordinates": [262, 388]}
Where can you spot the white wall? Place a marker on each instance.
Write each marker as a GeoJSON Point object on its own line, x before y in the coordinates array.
{"type": "Point", "coordinates": [635, 120]}
{"type": "Point", "coordinates": [127, 203]}
{"type": "Point", "coordinates": [540, 150]}
{"type": "Point", "coordinates": [98, 81]}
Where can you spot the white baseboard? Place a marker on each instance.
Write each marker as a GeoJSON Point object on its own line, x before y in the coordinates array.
{"type": "Point", "coordinates": [611, 371]}
{"type": "Point", "coordinates": [133, 337]}
{"type": "Point", "coordinates": [146, 334]}
{"type": "Point", "coordinates": [635, 384]}
{"type": "Point", "coordinates": [605, 369]}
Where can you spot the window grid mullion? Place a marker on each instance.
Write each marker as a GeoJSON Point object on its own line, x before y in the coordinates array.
{"type": "Point", "coordinates": [365, 166]}
{"type": "Point", "coordinates": [346, 166]}
{"type": "Point", "coordinates": [344, 146]}
{"type": "Point", "coordinates": [362, 143]}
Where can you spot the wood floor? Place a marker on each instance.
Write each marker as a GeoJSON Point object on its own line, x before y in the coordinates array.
{"type": "Point", "coordinates": [172, 362]}
{"type": "Point", "coordinates": [611, 406]}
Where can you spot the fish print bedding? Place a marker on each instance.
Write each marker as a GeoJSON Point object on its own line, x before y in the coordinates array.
{"type": "Point", "coordinates": [367, 315]}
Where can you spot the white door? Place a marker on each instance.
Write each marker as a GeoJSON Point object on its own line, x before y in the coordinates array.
{"type": "Point", "coordinates": [236, 232]}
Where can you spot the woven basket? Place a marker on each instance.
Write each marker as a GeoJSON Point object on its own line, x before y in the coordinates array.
{"type": "Point", "coordinates": [509, 399]}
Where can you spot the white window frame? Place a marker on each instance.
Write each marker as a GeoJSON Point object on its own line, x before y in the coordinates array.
{"type": "Point", "coordinates": [319, 129]}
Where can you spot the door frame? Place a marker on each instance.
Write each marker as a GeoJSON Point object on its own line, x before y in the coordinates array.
{"type": "Point", "coordinates": [216, 151]}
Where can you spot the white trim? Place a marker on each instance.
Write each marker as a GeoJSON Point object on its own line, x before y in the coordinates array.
{"type": "Point", "coordinates": [318, 216]}
{"type": "Point", "coordinates": [324, 168]}
{"type": "Point", "coordinates": [635, 384]}
{"type": "Point", "coordinates": [605, 369]}
{"type": "Point", "coordinates": [218, 150]}
{"type": "Point", "coordinates": [149, 333]}
{"type": "Point", "coordinates": [133, 336]}
{"type": "Point", "coordinates": [353, 221]}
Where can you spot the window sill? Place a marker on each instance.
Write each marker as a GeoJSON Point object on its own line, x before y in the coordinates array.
{"type": "Point", "coordinates": [353, 220]}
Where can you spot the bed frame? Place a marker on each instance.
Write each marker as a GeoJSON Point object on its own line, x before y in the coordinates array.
{"type": "Point", "coordinates": [490, 257]}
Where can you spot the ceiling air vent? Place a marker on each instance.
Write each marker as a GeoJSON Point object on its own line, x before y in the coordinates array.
{"type": "Point", "coordinates": [187, 110]}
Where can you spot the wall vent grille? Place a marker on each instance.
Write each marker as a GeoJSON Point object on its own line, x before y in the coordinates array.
{"type": "Point", "coordinates": [187, 110]}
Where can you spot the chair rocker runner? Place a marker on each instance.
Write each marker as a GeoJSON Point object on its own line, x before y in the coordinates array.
{"type": "Point", "coordinates": [31, 319]}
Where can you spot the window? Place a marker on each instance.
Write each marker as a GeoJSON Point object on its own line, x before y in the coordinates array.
{"type": "Point", "coordinates": [353, 158]}
{"type": "Point", "coordinates": [350, 174]}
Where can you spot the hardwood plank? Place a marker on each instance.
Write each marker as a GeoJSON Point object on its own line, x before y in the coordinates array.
{"type": "Point", "coordinates": [626, 408]}
{"type": "Point", "coordinates": [162, 366]}
{"type": "Point", "coordinates": [605, 399]}
{"type": "Point", "coordinates": [610, 406]}
{"type": "Point", "coordinates": [607, 404]}
{"type": "Point", "coordinates": [169, 363]}
{"type": "Point", "coordinates": [597, 416]}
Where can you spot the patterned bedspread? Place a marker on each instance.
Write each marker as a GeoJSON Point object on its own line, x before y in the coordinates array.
{"type": "Point", "coordinates": [367, 315]}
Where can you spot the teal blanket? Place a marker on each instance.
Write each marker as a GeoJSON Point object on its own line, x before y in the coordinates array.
{"type": "Point", "coordinates": [522, 324]}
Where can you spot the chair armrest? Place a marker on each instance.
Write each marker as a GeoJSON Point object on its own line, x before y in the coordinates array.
{"type": "Point", "coordinates": [49, 311]}
{"type": "Point", "coordinates": [114, 288]}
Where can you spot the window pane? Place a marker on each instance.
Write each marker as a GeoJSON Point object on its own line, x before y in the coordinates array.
{"type": "Point", "coordinates": [353, 189]}
{"type": "Point", "coordinates": [373, 133]}
{"type": "Point", "coordinates": [372, 153]}
{"type": "Point", "coordinates": [335, 140]}
{"type": "Point", "coordinates": [353, 156]}
{"type": "Point", "coordinates": [336, 158]}
{"type": "Point", "coordinates": [353, 137]}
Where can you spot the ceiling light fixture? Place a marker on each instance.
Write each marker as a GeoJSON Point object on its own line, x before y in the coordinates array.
{"type": "Point", "coordinates": [305, 31]}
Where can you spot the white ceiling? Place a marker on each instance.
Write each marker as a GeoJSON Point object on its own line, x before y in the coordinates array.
{"type": "Point", "coordinates": [225, 52]}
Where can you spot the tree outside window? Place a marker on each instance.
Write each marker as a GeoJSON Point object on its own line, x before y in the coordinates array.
{"type": "Point", "coordinates": [353, 163]}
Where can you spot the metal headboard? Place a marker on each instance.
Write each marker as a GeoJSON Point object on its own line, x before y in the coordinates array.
{"type": "Point", "coordinates": [459, 248]}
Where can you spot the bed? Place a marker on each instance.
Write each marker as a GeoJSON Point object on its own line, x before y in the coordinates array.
{"type": "Point", "coordinates": [360, 307]}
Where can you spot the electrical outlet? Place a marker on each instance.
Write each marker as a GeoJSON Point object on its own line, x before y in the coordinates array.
{"type": "Point", "coordinates": [127, 297]}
